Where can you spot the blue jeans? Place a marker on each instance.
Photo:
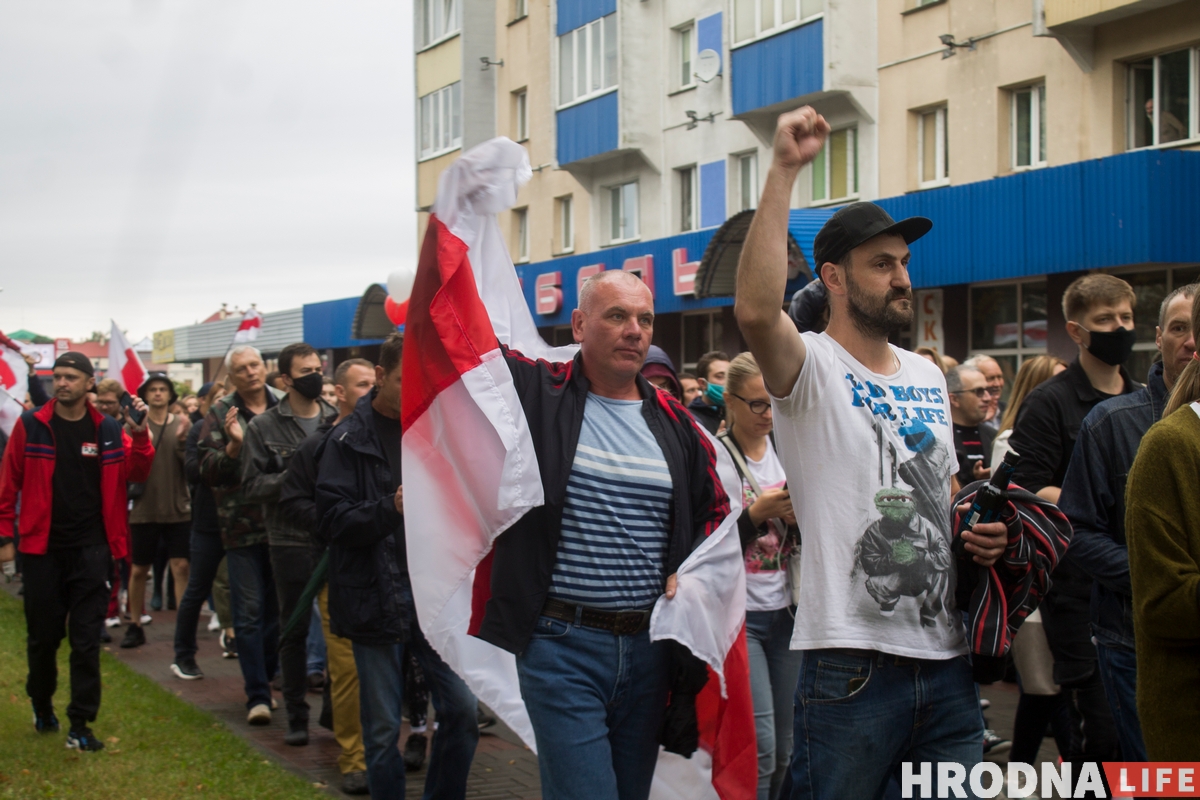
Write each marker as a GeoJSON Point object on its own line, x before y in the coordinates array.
{"type": "Point", "coordinates": [381, 693]}
{"type": "Point", "coordinates": [860, 714]}
{"type": "Point", "coordinates": [1118, 672]}
{"type": "Point", "coordinates": [596, 702]}
{"type": "Point", "coordinates": [204, 557]}
{"type": "Point", "coordinates": [774, 670]}
{"type": "Point", "coordinates": [255, 619]}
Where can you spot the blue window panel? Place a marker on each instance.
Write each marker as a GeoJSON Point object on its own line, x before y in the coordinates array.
{"type": "Point", "coordinates": [708, 34]}
{"type": "Point", "coordinates": [575, 13]}
{"type": "Point", "coordinates": [588, 129]}
{"type": "Point", "coordinates": [780, 68]}
{"type": "Point", "coordinates": [712, 194]}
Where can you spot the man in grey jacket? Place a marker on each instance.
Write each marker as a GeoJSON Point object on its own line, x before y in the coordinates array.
{"type": "Point", "coordinates": [271, 439]}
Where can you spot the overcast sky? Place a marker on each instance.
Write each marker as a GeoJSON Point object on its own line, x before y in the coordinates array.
{"type": "Point", "coordinates": [160, 158]}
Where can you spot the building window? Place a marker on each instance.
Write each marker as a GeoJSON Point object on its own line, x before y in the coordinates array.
{"type": "Point", "coordinates": [441, 121]}
{"type": "Point", "coordinates": [439, 19]}
{"type": "Point", "coordinates": [520, 9]}
{"type": "Point", "coordinates": [1163, 99]}
{"type": "Point", "coordinates": [933, 157]}
{"type": "Point", "coordinates": [565, 209]}
{"type": "Point", "coordinates": [685, 50]}
{"type": "Point", "coordinates": [521, 114]}
{"type": "Point", "coordinates": [521, 230]}
{"type": "Point", "coordinates": [747, 166]}
{"type": "Point", "coordinates": [587, 61]}
{"type": "Point", "coordinates": [701, 332]}
{"type": "Point", "coordinates": [755, 18]}
{"type": "Point", "coordinates": [688, 207]}
{"type": "Point", "coordinates": [1029, 127]}
{"type": "Point", "coordinates": [623, 212]}
{"type": "Point", "coordinates": [835, 169]}
{"type": "Point", "coordinates": [1008, 323]}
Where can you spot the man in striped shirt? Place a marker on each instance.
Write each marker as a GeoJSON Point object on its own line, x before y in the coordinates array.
{"type": "Point", "coordinates": [631, 489]}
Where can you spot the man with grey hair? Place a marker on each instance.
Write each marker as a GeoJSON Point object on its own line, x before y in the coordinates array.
{"type": "Point", "coordinates": [631, 488]}
{"type": "Point", "coordinates": [994, 376]}
{"type": "Point", "coordinates": [243, 527]}
{"type": "Point", "coordinates": [968, 388]}
{"type": "Point", "coordinates": [1093, 498]}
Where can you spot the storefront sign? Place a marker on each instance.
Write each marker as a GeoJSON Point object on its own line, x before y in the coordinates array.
{"type": "Point", "coordinates": [684, 272]}
{"type": "Point", "coordinates": [164, 347]}
{"type": "Point", "coordinates": [585, 273]}
{"type": "Point", "coordinates": [929, 320]}
{"type": "Point", "coordinates": [548, 293]}
{"type": "Point", "coordinates": [643, 267]}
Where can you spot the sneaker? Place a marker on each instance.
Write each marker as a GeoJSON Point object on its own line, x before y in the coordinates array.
{"type": "Point", "coordinates": [274, 704]}
{"type": "Point", "coordinates": [354, 783]}
{"type": "Point", "coordinates": [81, 738]}
{"type": "Point", "coordinates": [414, 752]}
{"type": "Point", "coordinates": [995, 743]}
{"type": "Point", "coordinates": [214, 624]}
{"type": "Point", "coordinates": [984, 703]}
{"type": "Point", "coordinates": [156, 601]}
{"type": "Point", "coordinates": [259, 715]}
{"type": "Point", "coordinates": [45, 722]}
{"type": "Point", "coordinates": [228, 646]}
{"type": "Point", "coordinates": [145, 619]}
{"type": "Point", "coordinates": [297, 735]}
{"type": "Point", "coordinates": [186, 669]}
{"type": "Point", "coordinates": [134, 637]}
{"type": "Point", "coordinates": [485, 718]}
{"type": "Point", "coordinates": [113, 622]}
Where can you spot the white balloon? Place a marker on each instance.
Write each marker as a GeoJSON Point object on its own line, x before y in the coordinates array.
{"type": "Point", "coordinates": [400, 284]}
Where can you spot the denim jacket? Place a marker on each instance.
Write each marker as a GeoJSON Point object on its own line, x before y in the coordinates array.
{"type": "Point", "coordinates": [1093, 498]}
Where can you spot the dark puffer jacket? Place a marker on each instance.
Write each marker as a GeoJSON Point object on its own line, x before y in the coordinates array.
{"type": "Point", "coordinates": [370, 598]}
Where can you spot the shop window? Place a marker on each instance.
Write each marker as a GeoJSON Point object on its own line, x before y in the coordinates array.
{"type": "Point", "coordinates": [1162, 99]}
{"type": "Point", "coordinates": [835, 169]}
{"type": "Point", "coordinates": [587, 61]}
{"type": "Point", "coordinates": [702, 332]}
{"type": "Point", "coordinates": [756, 18]}
{"type": "Point", "coordinates": [688, 207]}
{"type": "Point", "coordinates": [1029, 127]}
{"type": "Point", "coordinates": [1008, 322]}
{"type": "Point", "coordinates": [933, 152]}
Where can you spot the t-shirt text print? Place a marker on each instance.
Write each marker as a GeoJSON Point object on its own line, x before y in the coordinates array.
{"type": "Point", "coordinates": [869, 458]}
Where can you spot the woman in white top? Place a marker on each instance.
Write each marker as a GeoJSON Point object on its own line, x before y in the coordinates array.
{"type": "Point", "coordinates": [767, 528]}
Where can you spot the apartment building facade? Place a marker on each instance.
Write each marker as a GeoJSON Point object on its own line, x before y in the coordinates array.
{"type": "Point", "coordinates": [1046, 140]}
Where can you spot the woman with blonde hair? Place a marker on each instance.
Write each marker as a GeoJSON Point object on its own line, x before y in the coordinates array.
{"type": "Point", "coordinates": [1033, 373]}
{"type": "Point", "coordinates": [769, 539]}
{"type": "Point", "coordinates": [1162, 531]}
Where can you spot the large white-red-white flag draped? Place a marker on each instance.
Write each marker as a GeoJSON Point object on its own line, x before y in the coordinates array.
{"type": "Point", "coordinates": [123, 362]}
{"type": "Point", "coordinates": [470, 459]}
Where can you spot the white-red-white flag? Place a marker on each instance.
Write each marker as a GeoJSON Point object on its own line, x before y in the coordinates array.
{"type": "Point", "coordinates": [469, 458]}
{"type": "Point", "coordinates": [123, 362]}
{"type": "Point", "coordinates": [14, 383]}
{"type": "Point", "coordinates": [248, 329]}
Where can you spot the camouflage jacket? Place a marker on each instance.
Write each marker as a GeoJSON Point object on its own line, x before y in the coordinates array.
{"type": "Point", "coordinates": [242, 523]}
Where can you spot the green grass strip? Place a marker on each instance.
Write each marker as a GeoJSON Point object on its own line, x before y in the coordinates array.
{"type": "Point", "coordinates": [156, 745]}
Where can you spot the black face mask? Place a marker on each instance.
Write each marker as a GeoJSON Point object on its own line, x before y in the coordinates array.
{"type": "Point", "coordinates": [1112, 347]}
{"type": "Point", "coordinates": [309, 385]}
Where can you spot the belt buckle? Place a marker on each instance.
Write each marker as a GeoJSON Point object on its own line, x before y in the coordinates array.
{"type": "Point", "coordinates": [629, 622]}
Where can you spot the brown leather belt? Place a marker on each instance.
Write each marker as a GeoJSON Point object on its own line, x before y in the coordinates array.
{"type": "Point", "coordinates": [620, 623]}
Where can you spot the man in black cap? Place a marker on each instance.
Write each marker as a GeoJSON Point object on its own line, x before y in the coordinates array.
{"type": "Point", "coordinates": [69, 463]}
{"type": "Point", "coordinates": [162, 508]}
{"type": "Point", "coordinates": [864, 432]}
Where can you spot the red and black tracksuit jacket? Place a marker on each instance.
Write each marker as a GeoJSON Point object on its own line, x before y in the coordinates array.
{"type": "Point", "coordinates": [28, 470]}
{"type": "Point", "coordinates": [513, 581]}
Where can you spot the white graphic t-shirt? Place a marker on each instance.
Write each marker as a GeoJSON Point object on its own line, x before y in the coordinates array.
{"type": "Point", "coordinates": [767, 556]}
{"type": "Point", "coordinates": [869, 459]}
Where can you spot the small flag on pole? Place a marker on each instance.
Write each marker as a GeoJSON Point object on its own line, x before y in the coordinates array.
{"type": "Point", "coordinates": [123, 362]}
{"type": "Point", "coordinates": [249, 327]}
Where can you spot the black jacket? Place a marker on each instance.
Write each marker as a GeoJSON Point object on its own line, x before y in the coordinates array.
{"type": "Point", "coordinates": [204, 505]}
{"type": "Point", "coordinates": [298, 495]}
{"type": "Point", "coordinates": [1044, 434]}
{"type": "Point", "coordinates": [370, 599]}
{"type": "Point", "coordinates": [522, 561]}
{"type": "Point", "coordinates": [708, 416]}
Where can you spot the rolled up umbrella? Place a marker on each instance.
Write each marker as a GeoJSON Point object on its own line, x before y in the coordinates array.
{"type": "Point", "coordinates": [310, 591]}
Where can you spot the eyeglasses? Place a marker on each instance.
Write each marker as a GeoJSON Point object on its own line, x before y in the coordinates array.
{"type": "Point", "coordinates": [981, 392]}
{"type": "Point", "coordinates": [759, 407]}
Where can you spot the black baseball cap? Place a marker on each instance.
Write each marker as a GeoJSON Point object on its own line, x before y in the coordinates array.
{"type": "Point", "coordinates": [854, 224]}
{"type": "Point", "coordinates": [76, 360]}
{"type": "Point", "coordinates": [157, 376]}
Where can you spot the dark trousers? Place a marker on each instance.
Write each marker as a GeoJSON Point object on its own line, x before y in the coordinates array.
{"type": "Point", "coordinates": [66, 593]}
{"type": "Point", "coordinates": [293, 566]}
{"type": "Point", "coordinates": [205, 557]}
{"type": "Point", "coordinates": [255, 619]}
